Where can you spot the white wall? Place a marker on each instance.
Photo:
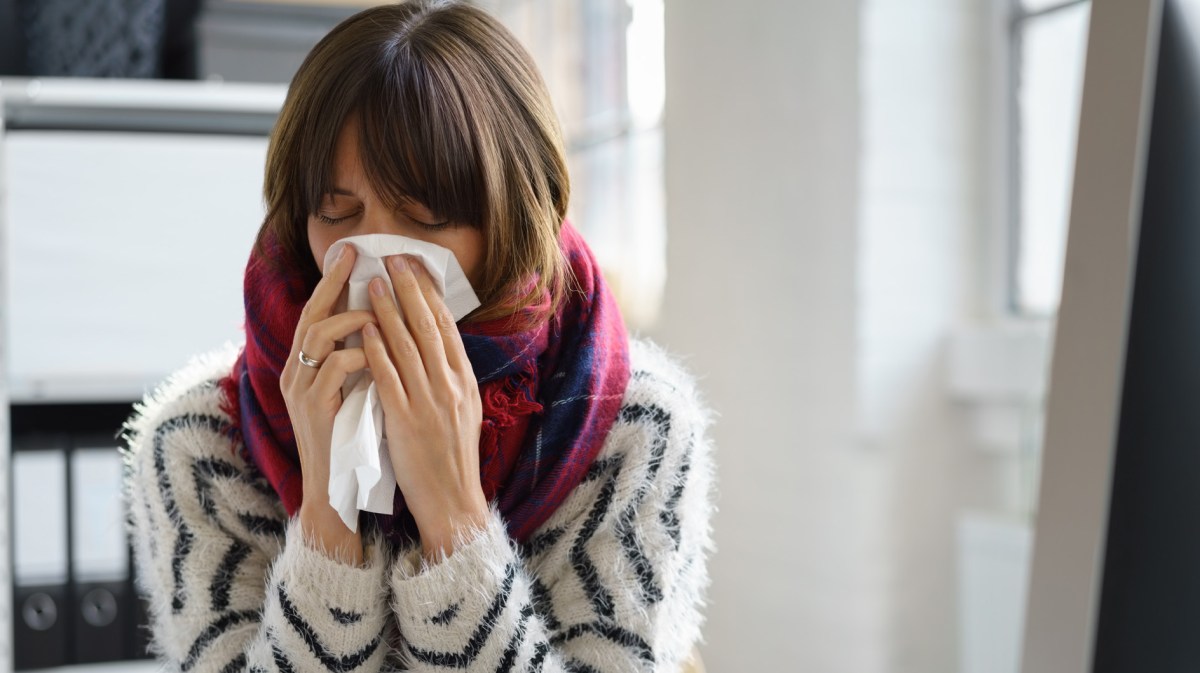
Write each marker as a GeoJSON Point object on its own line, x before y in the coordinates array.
{"type": "Point", "coordinates": [762, 127]}
{"type": "Point", "coordinates": [933, 198]}
{"type": "Point", "coordinates": [835, 204]}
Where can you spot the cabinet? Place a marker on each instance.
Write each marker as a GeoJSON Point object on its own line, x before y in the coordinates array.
{"type": "Point", "coordinates": [127, 212]}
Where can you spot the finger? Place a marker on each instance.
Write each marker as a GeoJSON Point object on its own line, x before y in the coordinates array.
{"type": "Point", "coordinates": [452, 343]}
{"type": "Point", "coordinates": [326, 389]}
{"type": "Point", "coordinates": [317, 342]}
{"type": "Point", "coordinates": [397, 340]}
{"type": "Point", "coordinates": [420, 319]}
{"type": "Point", "coordinates": [387, 380]}
{"type": "Point", "coordinates": [321, 338]}
{"type": "Point", "coordinates": [325, 295]}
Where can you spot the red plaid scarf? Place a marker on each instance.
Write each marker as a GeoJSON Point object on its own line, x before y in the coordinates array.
{"type": "Point", "coordinates": [550, 393]}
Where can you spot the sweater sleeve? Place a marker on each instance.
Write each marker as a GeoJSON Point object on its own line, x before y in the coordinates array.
{"type": "Point", "coordinates": [231, 584]}
{"type": "Point", "coordinates": [614, 581]}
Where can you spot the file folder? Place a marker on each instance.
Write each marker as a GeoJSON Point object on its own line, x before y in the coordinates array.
{"type": "Point", "coordinates": [40, 562]}
{"type": "Point", "coordinates": [100, 562]}
{"type": "Point", "coordinates": [74, 597]}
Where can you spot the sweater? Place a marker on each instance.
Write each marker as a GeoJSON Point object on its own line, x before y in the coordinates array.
{"type": "Point", "coordinates": [615, 580]}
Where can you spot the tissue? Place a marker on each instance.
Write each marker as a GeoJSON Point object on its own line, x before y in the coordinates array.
{"type": "Point", "coordinates": [360, 469]}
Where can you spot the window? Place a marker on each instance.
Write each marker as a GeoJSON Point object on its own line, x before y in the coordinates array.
{"type": "Point", "coordinates": [1049, 42]}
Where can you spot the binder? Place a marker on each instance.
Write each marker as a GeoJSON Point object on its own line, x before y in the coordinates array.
{"type": "Point", "coordinates": [74, 597]}
{"type": "Point", "coordinates": [40, 562]}
{"type": "Point", "coordinates": [100, 561]}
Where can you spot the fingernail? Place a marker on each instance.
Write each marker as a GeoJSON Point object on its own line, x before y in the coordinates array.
{"type": "Point", "coordinates": [376, 287]}
{"type": "Point", "coordinates": [398, 263]}
{"type": "Point", "coordinates": [342, 253]}
{"type": "Point", "coordinates": [369, 330]}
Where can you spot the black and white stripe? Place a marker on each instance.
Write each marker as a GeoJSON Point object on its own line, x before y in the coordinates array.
{"type": "Point", "coordinates": [234, 587]}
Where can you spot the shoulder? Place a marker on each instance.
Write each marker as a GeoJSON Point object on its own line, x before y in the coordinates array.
{"type": "Point", "coordinates": [663, 413]}
{"type": "Point", "coordinates": [180, 438]}
{"type": "Point", "coordinates": [659, 383]}
{"type": "Point", "coordinates": [183, 466]}
{"type": "Point", "coordinates": [191, 396]}
{"type": "Point", "coordinates": [657, 456]}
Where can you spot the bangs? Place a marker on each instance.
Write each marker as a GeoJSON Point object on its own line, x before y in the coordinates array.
{"type": "Point", "coordinates": [416, 140]}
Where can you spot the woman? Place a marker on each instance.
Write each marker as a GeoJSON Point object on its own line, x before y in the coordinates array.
{"type": "Point", "coordinates": [554, 479]}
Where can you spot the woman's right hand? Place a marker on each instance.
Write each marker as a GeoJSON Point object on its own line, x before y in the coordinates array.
{"type": "Point", "coordinates": [313, 396]}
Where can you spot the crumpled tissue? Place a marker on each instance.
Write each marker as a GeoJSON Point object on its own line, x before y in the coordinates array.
{"type": "Point", "coordinates": [360, 469]}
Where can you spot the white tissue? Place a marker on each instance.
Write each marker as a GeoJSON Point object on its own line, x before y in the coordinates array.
{"type": "Point", "coordinates": [360, 470]}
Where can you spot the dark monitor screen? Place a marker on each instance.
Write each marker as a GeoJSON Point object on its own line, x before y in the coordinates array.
{"type": "Point", "coordinates": [1149, 617]}
{"type": "Point", "coordinates": [1115, 580]}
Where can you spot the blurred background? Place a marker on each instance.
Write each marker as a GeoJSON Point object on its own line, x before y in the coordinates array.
{"type": "Point", "coordinates": [847, 217]}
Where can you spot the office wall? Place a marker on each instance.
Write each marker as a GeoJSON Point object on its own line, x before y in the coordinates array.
{"type": "Point", "coordinates": [762, 129]}
{"type": "Point", "coordinates": [836, 211]}
{"type": "Point", "coordinates": [933, 200]}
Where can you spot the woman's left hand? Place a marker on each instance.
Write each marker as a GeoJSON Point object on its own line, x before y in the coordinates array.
{"type": "Point", "coordinates": [431, 406]}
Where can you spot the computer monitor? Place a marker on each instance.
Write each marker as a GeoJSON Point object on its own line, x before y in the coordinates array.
{"type": "Point", "coordinates": [1115, 581]}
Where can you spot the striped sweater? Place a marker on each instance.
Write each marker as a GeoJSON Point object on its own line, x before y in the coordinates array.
{"type": "Point", "coordinates": [613, 581]}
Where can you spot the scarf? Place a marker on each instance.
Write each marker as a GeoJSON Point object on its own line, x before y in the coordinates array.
{"type": "Point", "coordinates": [550, 392]}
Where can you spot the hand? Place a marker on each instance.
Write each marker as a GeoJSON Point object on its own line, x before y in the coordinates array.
{"type": "Point", "coordinates": [313, 396]}
{"type": "Point", "coordinates": [431, 407]}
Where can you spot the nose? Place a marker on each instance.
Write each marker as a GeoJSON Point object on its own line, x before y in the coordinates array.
{"type": "Point", "coordinates": [375, 220]}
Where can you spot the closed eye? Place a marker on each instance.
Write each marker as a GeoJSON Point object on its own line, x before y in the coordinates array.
{"type": "Point", "coordinates": [406, 209]}
{"type": "Point", "coordinates": [334, 220]}
{"type": "Point", "coordinates": [429, 226]}
{"type": "Point", "coordinates": [435, 226]}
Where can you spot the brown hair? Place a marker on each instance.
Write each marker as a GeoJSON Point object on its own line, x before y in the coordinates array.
{"type": "Point", "coordinates": [453, 114]}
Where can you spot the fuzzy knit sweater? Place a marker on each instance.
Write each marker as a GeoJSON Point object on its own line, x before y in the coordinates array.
{"type": "Point", "coordinates": [613, 581]}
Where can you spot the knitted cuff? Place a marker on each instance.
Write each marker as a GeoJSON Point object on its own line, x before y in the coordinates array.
{"type": "Point", "coordinates": [332, 607]}
{"type": "Point", "coordinates": [438, 606]}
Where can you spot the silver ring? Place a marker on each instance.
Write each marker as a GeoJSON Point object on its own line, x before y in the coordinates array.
{"type": "Point", "coordinates": [309, 362]}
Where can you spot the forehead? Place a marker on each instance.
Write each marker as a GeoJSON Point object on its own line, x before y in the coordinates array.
{"type": "Point", "coordinates": [347, 172]}
{"type": "Point", "coordinates": [347, 165]}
